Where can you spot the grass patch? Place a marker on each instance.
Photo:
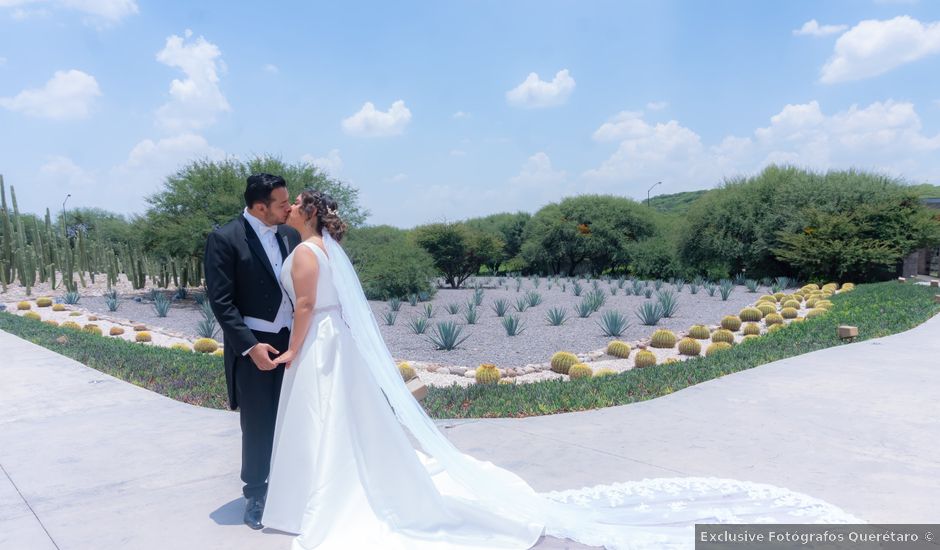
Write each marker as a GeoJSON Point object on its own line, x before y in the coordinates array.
{"type": "Point", "coordinates": [876, 309]}
{"type": "Point", "coordinates": [185, 376]}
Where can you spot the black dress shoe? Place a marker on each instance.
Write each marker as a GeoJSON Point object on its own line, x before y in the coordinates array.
{"type": "Point", "coordinates": [253, 512]}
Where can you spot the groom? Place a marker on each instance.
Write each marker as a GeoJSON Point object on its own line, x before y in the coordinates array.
{"type": "Point", "coordinates": [243, 265]}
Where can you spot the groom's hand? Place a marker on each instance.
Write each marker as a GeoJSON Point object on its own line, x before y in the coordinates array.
{"type": "Point", "coordinates": [261, 355]}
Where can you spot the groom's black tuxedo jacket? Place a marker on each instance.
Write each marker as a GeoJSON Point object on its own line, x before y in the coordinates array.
{"type": "Point", "coordinates": [240, 282]}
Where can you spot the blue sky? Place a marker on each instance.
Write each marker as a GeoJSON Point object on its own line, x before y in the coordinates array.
{"type": "Point", "coordinates": [447, 110]}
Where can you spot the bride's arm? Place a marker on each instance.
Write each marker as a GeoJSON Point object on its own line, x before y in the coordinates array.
{"type": "Point", "coordinates": [305, 271]}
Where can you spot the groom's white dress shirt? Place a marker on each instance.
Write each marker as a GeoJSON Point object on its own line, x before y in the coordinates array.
{"type": "Point", "coordinates": [267, 234]}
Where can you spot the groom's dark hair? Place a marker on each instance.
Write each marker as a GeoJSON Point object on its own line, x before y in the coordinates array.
{"type": "Point", "coordinates": [260, 187]}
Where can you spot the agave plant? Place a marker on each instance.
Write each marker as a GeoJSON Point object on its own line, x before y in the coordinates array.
{"type": "Point", "coordinates": [613, 290]}
{"type": "Point", "coordinates": [72, 298]}
{"type": "Point", "coordinates": [658, 284]}
{"type": "Point", "coordinates": [198, 297]}
{"type": "Point", "coordinates": [597, 298]}
{"type": "Point", "coordinates": [775, 288]}
{"type": "Point", "coordinates": [698, 280]}
{"type": "Point", "coordinates": [751, 285]}
{"type": "Point", "coordinates": [446, 336]}
{"type": "Point", "coordinates": [613, 323]}
{"type": "Point", "coordinates": [577, 288]}
{"type": "Point", "coordinates": [725, 286]}
{"type": "Point", "coordinates": [413, 299]}
{"type": "Point", "coordinates": [693, 288]}
{"type": "Point", "coordinates": [453, 308]}
{"type": "Point", "coordinates": [647, 292]}
{"type": "Point", "coordinates": [739, 279]}
{"type": "Point", "coordinates": [585, 308]}
{"type": "Point", "coordinates": [394, 304]}
{"type": "Point", "coordinates": [518, 285]}
{"type": "Point", "coordinates": [207, 327]}
{"type": "Point", "coordinates": [557, 316]}
{"type": "Point", "coordinates": [112, 303]}
{"type": "Point", "coordinates": [534, 298]}
{"type": "Point", "coordinates": [649, 313]}
{"type": "Point", "coordinates": [418, 324]}
{"type": "Point", "coordinates": [478, 296]}
{"type": "Point", "coordinates": [668, 302]}
{"type": "Point", "coordinates": [679, 284]}
{"type": "Point", "coordinates": [766, 281]}
{"type": "Point", "coordinates": [637, 287]}
{"type": "Point", "coordinates": [161, 304]}
{"type": "Point", "coordinates": [710, 288]}
{"type": "Point", "coordinates": [595, 284]}
{"type": "Point", "coordinates": [784, 282]}
{"type": "Point", "coordinates": [522, 303]}
{"type": "Point", "coordinates": [500, 306]}
{"type": "Point", "coordinates": [513, 325]}
{"type": "Point", "coordinates": [471, 315]}
{"type": "Point", "coordinates": [181, 293]}
{"type": "Point", "coordinates": [429, 310]}
{"type": "Point", "coordinates": [389, 317]}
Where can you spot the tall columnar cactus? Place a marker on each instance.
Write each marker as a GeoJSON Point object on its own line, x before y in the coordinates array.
{"type": "Point", "coordinates": [6, 253]}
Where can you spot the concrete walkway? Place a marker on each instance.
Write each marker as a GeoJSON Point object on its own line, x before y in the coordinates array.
{"type": "Point", "coordinates": [91, 462]}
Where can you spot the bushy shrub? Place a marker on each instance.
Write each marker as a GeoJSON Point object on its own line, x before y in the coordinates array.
{"type": "Point", "coordinates": [388, 262]}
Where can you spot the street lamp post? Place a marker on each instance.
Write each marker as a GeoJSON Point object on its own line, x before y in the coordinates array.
{"type": "Point", "coordinates": [648, 193]}
{"type": "Point", "coordinates": [65, 225]}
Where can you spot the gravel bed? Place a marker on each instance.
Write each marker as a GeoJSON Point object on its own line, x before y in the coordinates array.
{"type": "Point", "coordinates": [487, 342]}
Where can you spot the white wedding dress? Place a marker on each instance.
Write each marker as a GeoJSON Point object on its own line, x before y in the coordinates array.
{"type": "Point", "coordinates": [345, 474]}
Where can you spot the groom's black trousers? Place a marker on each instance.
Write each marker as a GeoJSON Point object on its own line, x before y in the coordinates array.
{"type": "Point", "coordinates": [258, 393]}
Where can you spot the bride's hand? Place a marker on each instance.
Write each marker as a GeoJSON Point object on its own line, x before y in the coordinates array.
{"type": "Point", "coordinates": [285, 358]}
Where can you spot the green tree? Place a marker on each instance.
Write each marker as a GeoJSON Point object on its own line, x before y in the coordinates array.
{"type": "Point", "coordinates": [509, 228]}
{"type": "Point", "coordinates": [458, 250]}
{"type": "Point", "coordinates": [205, 194]}
{"type": "Point", "coordinates": [586, 233]}
{"type": "Point", "coordinates": [388, 262]}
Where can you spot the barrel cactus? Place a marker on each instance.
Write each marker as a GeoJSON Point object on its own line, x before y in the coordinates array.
{"type": "Point", "coordinates": [824, 304]}
{"type": "Point", "coordinates": [810, 287]}
{"type": "Point", "coordinates": [644, 358]}
{"type": "Point", "coordinates": [815, 312]}
{"type": "Point", "coordinates": [618, 349]}
{"type": "Point", "coordinates": [723, 335]}
{"type": "Point", "coordinates": [72, 325]}
{"type": "Point", "coordinates": [219, 353]}
{"type": "Point", "coordinates": [75, 314]}
{"type": "Point", "coordinates": [848, 286]}
{"type": "Point", "coordinates": [751, 314]}
{"type": "Point", "coordinates": [791, 304]}
{"type": "Point", "coordinates": [766, 309]}
{"type": "Point", "coordinates": [780, 296]}
{"type": "Point", "coordinates": [116, 331]}
{"type": "Point", "coordinates": [604, 372]}
{"type": "Point", "coordinates": [44, 301]}
{"type": "Point", "coordinates": [92, 329]}
{"type": "Point", "coordinates": [562, 361]}
{"type": "Point", "coordinates": [32, 315]}
{"type": "Point", "coordinates": [751, 329]}
{"type": "Point", "coordinates": [716, 347]}
{"type": "Point", "coordinates": [181, 347]}
{"type": "Point", "coordinates": [407, 371]}
{"type": "Point", "coordinates": [749, 338]}
{"type": "Point", "coordinates": [580, 370]}
{"type": "Point", "coordinates": [811, 302]}
{"type": "Point", "coordinates": [143, 336]}
{"type": "Point", "coordinates": [487, 373]}
{"type": "Point", "coordinates": [789, 313]}
{"type": "Point", "coordinates": [689, 346]}
{"type": "Point", "coordinates": [731, 322]}
{"type": "Point", "coordinates": [663, 338]}
{"type": "Point", "coordinates": [775, 328]}
{"type": "Point", "coordinates": [699, 332]}
{"type": "Point", "coordinates": [767, 298]}
{"type": "Point", "coordinates": [773, 319]}
{"type": "Point", "coordinates": [58, 307]}
{"type": "Point", "coordinates": [24, 306]}
{"type": "Point", "coordinates": [205, 345]}
{"type": "Point", "coordinates": [51, 323]}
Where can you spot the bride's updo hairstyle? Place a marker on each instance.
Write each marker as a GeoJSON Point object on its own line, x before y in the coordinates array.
{"type": "Point", "coordinates": [327, 215]}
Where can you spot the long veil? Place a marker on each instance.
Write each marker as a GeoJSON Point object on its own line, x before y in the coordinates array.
{"type": "Point", "coordinates": [651, 513]}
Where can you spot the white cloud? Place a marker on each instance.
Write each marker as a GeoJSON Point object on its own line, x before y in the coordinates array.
{"type": "Point", "coordinates": [875, 47]}
{"type": "Point", "coordinates": [271, 68]}
{"type": "Point", "coordinates": [813, 28]}
{"type": "Point", "coordinates": [657, 105]}
{"type": "Point", "coordinates": [369, 122]}
{"type": "Point", "coordinates": [67, 95]}
{"type": "Point", "coordinates": [196, 101]}
{"type": "Point", "coordinates": [536, 93]}
{"type": "Point", "coordinates": [332, 163]}
{"type": "Point", "coordinates": [97, 12]}
{"type": "Point", "coordinates": [884, 136]}
{"type": "Point", "coordinates": [538, 171]}
{"type": "Point", "coordinates": [460, 114]}
{"type": "Point", "coordinates": [63, 172]}
{"type": "Point", "coordinates": [397, 178]}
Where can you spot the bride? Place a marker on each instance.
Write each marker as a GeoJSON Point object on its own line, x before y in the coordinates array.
{"type": "Point", "coordinates": [345, 474]}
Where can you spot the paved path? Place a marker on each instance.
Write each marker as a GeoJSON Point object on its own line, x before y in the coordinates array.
{"type": "Point", "coordinates": [90, 462]}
